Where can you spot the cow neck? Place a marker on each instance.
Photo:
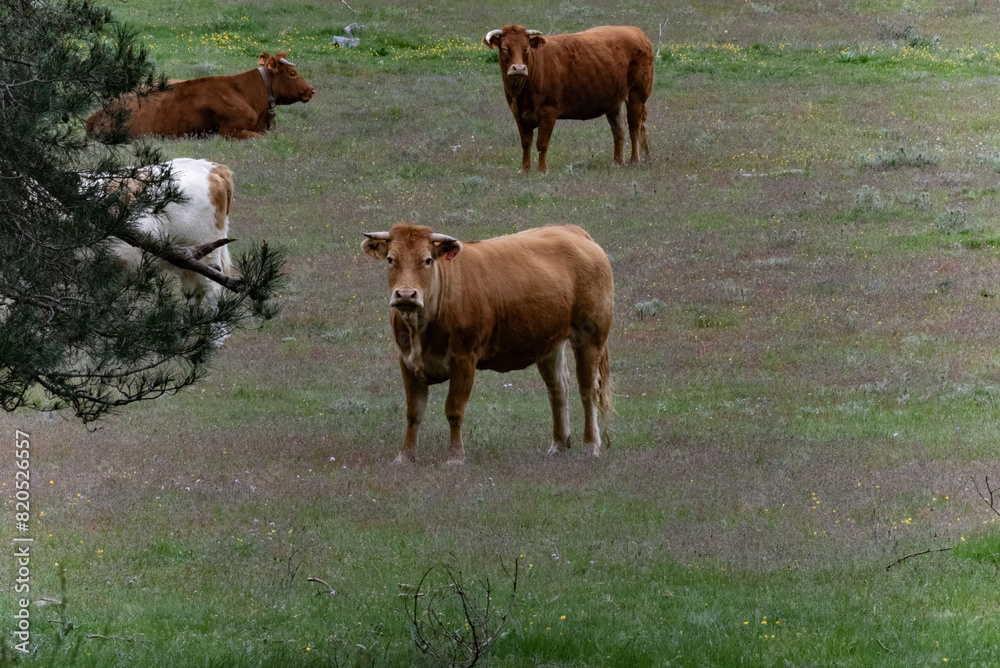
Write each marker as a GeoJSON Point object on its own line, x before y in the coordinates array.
{"type": "Point", "coordinates": [271, 114]}
{"type": "Point", "coordinates": [418, 322]}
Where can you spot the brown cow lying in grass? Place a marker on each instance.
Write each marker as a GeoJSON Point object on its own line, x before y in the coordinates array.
{"type": "Point", "coordinates": [501, 304]}
{"type": "Point", "coordinates": [578, 76]}
{"type": "Point", "coordinates": [237, 106]}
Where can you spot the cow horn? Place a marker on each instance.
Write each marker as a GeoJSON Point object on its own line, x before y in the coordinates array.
{"type": "Point", "coordinates": [441, 237]}
{"type": "Point", "coordinates": [491, 34]}
{"type": "Point", "coordinates": [533, 32]}
{"type": "Point", "coordinates": [380, 236]}
{"type": "Point", "coordinates": [285, 61]}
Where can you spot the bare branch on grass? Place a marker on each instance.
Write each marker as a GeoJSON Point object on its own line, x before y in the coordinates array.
{"type": "Point", "coordinates": [659, 41]}
{"type": "Point", "coordinates": [332, 592]}
{"type": "Point", "coordinates": [883, 646]}
{"type": "Point", "coordinates": [992, 491]}
{"type": "Point", "coordinates": [464, 637]}
{"type": "Point", "coordinates": [917, 554]}
{"type": "Point", "coordinates": [292, 567]}
{"type": "Point", "coordinates": [131, 638]}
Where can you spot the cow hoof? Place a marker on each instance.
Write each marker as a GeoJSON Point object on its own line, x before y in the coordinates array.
{"type": "Point", "coordinates": [595, 449]}
{"type": "Point", "coordinates": [558, 448]}
{"type": "Point", "coordinates": [403, 460]}
{"type": "Point", "coordinates": [455, 461]}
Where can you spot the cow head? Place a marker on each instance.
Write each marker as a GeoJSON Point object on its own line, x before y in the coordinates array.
{"type": "Point", "coordinates": [288, 85]}
{"type": "Point", "coordinates": [412, 253]}
{"type": "Point", "coordinates": [516, 45]}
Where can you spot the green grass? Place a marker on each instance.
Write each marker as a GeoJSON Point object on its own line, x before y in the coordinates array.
{"type": "Point", "coordinates": [804, 355]}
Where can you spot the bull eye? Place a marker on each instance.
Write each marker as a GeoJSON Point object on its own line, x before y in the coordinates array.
{"type": "Point", "coordinates": [389, 260]}
{"type": "Point", "coordinates": [427, 262]}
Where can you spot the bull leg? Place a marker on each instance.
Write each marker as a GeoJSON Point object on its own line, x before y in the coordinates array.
{"type": "Point", "coordinates": [556, 377]}
{"type": "Point", "coordinates": [527, 134]}
{"type": "Point", "coordinates": [194, 289]}
{"type": "Point", "coordinates": [416, 403]}
{"type": "Point", "coordinates": [239, 122]}
{"type": "Point", "coordinates": [233, 133]}
{"type": "Point", "coordinates": [588, 357]}
{"type": "Point", "coordinates": [545, 127]}
{"type": "Point", "coordinates": [637, 125]}
{"type": "Point", "coordinates": [616, 119]}
{"type": "Point", "coordinates": [459, 389]}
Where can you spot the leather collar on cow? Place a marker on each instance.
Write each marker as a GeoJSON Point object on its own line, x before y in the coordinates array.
{"type": "Point", "coordinates": [270, 98]}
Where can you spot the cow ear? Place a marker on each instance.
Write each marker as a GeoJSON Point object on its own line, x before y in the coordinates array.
{"type": "Point", "coordinates": [447, 249]}
{"type": "Point", "coordinates": [264, 57]}
{"type": "Point", "coordinates": [376, 248]}
{"type": "Point", "coordinates": [536, 41]}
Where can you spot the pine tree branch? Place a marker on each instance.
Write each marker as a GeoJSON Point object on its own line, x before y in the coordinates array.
{"type": "Point", "coordinates": [187, 257]}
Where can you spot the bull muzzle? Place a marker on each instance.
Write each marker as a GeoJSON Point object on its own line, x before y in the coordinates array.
{"type": "Point", "coordinates": [517, 70]}
{"type": "Point", "coordinates": [406, 299]}
{"type": "Point", "coordinates": [517, 77]}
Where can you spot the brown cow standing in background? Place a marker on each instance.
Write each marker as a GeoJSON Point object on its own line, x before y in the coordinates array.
{"type": "Point", "coordinates": [578, 76]}
{"type": "Point", "coordinates": [237, 106]}
{"type": "Point", "coordinates": [501, 304]}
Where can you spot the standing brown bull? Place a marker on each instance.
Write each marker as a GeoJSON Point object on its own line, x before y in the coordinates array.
{"type": "Point", "coordinates": [501, 304]}
{"type": "Point", "coordinates": [237, 106]}
{"type": "Point", "coordinates": [579, 76]}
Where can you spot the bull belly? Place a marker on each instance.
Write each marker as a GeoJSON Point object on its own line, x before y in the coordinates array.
{"type": "Point", "coordinates": [514, 360]}
{"type": "Point", "coordinates": [589, 112]}
{"type": "Point", "coordinates": [507, 364]}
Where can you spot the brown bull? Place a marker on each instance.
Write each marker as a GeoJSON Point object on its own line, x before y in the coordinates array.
{"type": "Point", "coordinates": [501, 304]}
{"type": "Point", "coordinates": [237, 106]}
{"type": "Point", "coordinates": [578, 76]}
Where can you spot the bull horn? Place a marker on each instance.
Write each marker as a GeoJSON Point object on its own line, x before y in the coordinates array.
{"type": "Point", "coordinates": [441, 237]}
{"type": "Point", "coordinates": [379, 236]}
{"type": "Point", "coordinates": [533, 32]}
{"type": "Point", "coordinates": [285, 61]}
{"type": "Point", "coordinates": [491, 34]}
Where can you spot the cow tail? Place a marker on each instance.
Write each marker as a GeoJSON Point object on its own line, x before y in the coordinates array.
{"type": "Point", "coordinates": [605, 397]}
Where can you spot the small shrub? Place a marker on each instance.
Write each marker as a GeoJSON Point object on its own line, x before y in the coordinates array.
{"type": "Point", "coordinates": [851, 56]}
{"type": "Point", "coordinates": [474, 184]}
{"type": "Point", "coordinates": [890, 32]}
{"type": "Point", "coordinates": [908, 33]}
{"type": "Point", "coordinates": [868, 200]}
{"type": "Point", "coordinates": [920, 200]}
{"type": "Point", "coordinates": [650, 309]}
{"type": "Point", "coordinates": [712, 321]}
{"type": "Point", "coordinates": [738, 293]}
{"type": "Point", "coordinates": [991, 159]}
{"type": "Point", "coordinates": [205, 68]}
{"type": "Point", "coordinates": [953, 221]}
{"type": "Point", "coordinates": [886, 133]}
{"type": "Point", "coordinates": [917, 157]}
{"type": "Point", "coordinates": [454, 623]}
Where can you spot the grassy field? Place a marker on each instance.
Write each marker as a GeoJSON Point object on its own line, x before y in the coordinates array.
{"type": "Point", "coordinates": [804, 351]}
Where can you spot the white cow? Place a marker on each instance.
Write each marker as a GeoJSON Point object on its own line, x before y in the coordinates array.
{"type": "Point", "coordinates": [202, 218]}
